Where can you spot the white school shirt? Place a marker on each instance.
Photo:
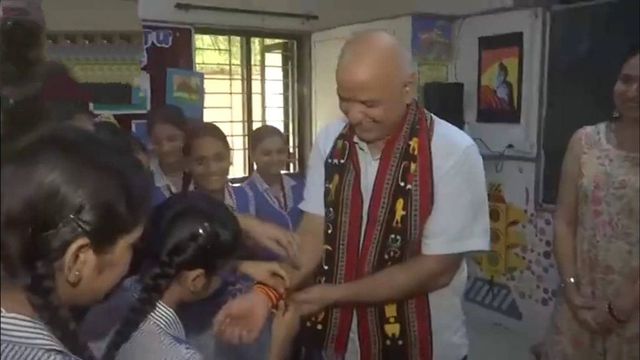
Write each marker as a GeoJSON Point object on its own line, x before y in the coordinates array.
{"type": "Point", "coordinates": [160, 336]}
{"type": "Point", "coordinates": [459, 222]}
{"type": "Point", "coordinates": [24, 338]}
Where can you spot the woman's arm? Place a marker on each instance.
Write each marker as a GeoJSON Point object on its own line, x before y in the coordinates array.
{"type": "Point", "coordinates": [565, 220]}
{"type": "Point", "coordinates": [627, 302]}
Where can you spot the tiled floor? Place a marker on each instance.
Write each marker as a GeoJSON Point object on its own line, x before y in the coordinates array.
{"type": "Point", "coordinates": [494, 342]}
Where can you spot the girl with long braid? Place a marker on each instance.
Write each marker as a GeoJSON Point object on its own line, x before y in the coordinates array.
{"type": "Point", "coordinates": [72, 210]}
{"type": "Point", "coordinates": [190, 238]}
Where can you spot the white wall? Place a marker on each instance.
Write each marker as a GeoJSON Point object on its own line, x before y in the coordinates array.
{"type": "Point", "coordinates": [332, 13]}
{"type": "Point", "coordinates": [465, 70]}
{"type": "Point", "coordinates": [91, 15]}
{"type": "Point", "coordinates": [163, 10]}
{"type": "Point", "coordinates": [325, 49]}
{"type": "Point", "coordinates": [532, 286]}
{"type": "Point", "coordinates": [344, 12]}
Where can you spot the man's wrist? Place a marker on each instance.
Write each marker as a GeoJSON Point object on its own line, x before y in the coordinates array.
{"type": "Point", "coordinates": [341, 294]}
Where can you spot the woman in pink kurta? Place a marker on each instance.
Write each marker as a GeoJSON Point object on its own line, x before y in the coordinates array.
{"type": "Point", "coordinates": [597, 236]}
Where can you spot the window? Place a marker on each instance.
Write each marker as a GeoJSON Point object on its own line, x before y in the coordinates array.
{"type": "Point", "coordinates": [249, 82]}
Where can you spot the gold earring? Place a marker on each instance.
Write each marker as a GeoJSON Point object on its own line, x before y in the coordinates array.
{"type": "Point", "coordinates": [75, 278]}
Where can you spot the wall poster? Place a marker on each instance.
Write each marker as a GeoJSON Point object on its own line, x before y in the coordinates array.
{"type": "Point", "coordinates": [500, 78]}
{"type": "Point", "coordinates": [430, 39]}
{"type": "Point", "coordinates": [186, 89]}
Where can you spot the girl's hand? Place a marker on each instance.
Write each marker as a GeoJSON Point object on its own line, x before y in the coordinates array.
{"type": "Point", "coordinates": [272, 237]}
{"type": "Point", "coordinates": [268, 272]}
{"type": "Point", "coordinates": [240, 321]}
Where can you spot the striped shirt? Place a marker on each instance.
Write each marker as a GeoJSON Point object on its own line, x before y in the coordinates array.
{"type": "Point", "coordinates": [161, 335]}
{"type": "Point", "coordinates": [23, 338]}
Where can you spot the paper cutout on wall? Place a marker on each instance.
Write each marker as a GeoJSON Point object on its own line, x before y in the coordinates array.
{"type": "Point", "coordinates": [492, 296]}
{"type": "Point", "coordinates": [505, 236]}
{"type": "Point", "coordinates": [186, 89]}
{"type": "Point", "coordinates": [140, 99]}
{"type": "Point", "coordinates": [156, 37]}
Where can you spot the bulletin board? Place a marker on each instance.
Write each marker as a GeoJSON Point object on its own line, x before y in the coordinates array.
{"type": "Point", "coordinates": [108, 65]}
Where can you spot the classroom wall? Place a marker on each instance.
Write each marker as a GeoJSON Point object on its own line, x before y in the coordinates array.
{"type": "Point", "coordinates": [331, 13]}
{"type": "Point", "coordinates": [465, 70]}
{"type": "Point", "coordinates": [335, 13]}
{"type": "Point", "coordinates": [91, 15]}
{"type": "Point", "coordinates": [325, 48]}
{"type": "Point", "coordinates": [522, 297]}
{"type": "Point", "coordinates": [164, 11]}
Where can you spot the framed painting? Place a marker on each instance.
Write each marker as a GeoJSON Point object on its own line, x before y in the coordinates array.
{"type": "Point", "coordinates": [500, 78]}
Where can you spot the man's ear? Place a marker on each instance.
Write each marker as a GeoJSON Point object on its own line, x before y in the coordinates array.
{"type": "Point", "coordinates": [409, 90]}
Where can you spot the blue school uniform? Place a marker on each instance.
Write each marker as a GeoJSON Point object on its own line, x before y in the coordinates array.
{"type": "Point", "coordinates": [160, 336]}
{"type": "Point", "coordinates": [162, 187]}
{"type": "Point", "coordinates": [23, 338]}
{"type": "Point", "coordinates": [264, 205]}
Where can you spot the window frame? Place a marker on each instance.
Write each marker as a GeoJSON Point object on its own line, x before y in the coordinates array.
{"type": "Point", "coordinates": [301, 100]}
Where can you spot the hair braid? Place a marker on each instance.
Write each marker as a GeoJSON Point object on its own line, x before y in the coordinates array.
{"type": "Point", "coordinates": [155, 283]}
{"type": "Point", "coordinates": [42, 296]}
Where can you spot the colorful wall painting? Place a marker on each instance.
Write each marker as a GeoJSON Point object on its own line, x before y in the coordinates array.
{"type": "Point", "coordinates": [500, 78]}
{"type": "Point", "coordinates": [430, 39]}
{"type": "Point", "coordinates": [186, 89]}
{"type": "Point", "coordinates": [140, 99]}
{"type": "Point", "coordinates": [505, 236]}
{"type": "Point", "coordinates": [521, 294]}
{"type": "Point", "coordinates": [489, 291]}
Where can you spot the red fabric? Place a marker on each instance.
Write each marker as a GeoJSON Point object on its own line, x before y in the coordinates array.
{"type": "Point", "coordinates": [392, 235]}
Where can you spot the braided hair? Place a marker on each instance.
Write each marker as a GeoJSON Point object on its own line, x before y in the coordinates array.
{"type": "Point", "coordinates": [188, 231]}
{"type": "Point", "coordinates": [57, 187]}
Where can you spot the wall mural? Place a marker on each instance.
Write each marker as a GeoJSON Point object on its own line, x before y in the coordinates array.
{"type": "Point", "coordinates": [489, 291]}
{"type": "Point", "coordinates": [516, 278]}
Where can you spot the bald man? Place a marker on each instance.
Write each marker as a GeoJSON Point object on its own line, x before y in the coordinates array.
{"type": "Point", "coordinates": [395, 198]}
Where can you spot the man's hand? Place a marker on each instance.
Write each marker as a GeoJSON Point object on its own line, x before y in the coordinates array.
{"type": "Point", "coordinates": [268, 272]}
{"type": "Point", "coordinates": [272, 237]}
{"type": "Point", "coordinates": [241, 320]}
{"type": "Point", "coordinates": [315, 298]}
{"type": "Point", "coordinates": [286, 324]}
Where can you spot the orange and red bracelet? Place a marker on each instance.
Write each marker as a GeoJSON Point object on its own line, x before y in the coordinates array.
{"type": "Point", "coordinates": [272, 294]}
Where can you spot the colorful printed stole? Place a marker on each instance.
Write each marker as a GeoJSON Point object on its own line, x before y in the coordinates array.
{"type": "Point", "coordinates": [401, 202]}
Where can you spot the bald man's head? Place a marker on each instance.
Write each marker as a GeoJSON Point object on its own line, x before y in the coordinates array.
{"type": "Point", "coordinates": [378, 45]}
{"type": "Point", "coordinates": [376, 82]}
